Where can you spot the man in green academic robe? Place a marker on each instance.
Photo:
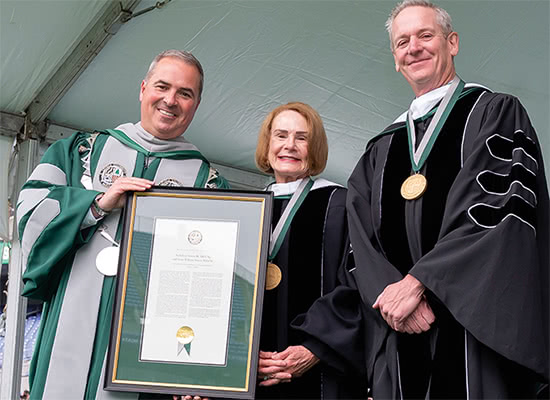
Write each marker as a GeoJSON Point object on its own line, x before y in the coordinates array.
{"type": "Point", "coordinates": [69, 210]}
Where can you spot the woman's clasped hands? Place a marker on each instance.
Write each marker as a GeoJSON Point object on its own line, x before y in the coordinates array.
{"type": "Point", "coordinates": [275, 368]}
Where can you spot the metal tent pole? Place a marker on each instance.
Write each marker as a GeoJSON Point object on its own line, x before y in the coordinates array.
{"type": "Point", "coordinates": [16, 305]}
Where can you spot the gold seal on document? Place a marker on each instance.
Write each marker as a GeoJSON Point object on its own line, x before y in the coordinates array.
{"type": "Point", "coordinates": [185, 335]}
{"type": "Point", "coordinates": [273, 277]}
{"type": "Point", "coordinates": [414, 187]}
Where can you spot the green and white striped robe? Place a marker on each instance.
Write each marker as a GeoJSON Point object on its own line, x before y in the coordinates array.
{"type": "Point", "coordinates": [59, 251]}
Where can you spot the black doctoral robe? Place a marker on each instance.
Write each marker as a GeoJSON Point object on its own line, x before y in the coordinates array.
{"type": "Point", "coordinates": [309, 259]}
{"type": "Point", "coordinates": [477, 239]}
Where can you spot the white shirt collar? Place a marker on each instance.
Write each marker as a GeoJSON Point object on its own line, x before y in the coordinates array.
{"type": "Point", "coordinates": [420, 106]}
{"type": "Point", "coordinates": [285, 189]}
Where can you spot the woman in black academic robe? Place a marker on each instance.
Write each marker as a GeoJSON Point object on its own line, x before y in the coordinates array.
{"type": "Point", "coordinates": [292, 146]}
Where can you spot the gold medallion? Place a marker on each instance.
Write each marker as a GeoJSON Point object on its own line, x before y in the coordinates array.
{"type": "Point", "coordinates": [273, 277]}
{"type": "Point", "coordinates": [414, 187]}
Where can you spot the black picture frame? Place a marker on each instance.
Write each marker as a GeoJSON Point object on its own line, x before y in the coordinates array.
{"type": "Point", "coordinates": [143, 291]}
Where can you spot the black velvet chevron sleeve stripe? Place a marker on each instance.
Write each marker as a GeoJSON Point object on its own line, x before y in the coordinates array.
{"type": "Point", "coordinates": [502, 184]}
{"type": "Point", "coordinates": [513, 193]}
{"type": "Point", "coordinates": [488, 216]}
{"type": "Point", "coordinates": [503, 148]}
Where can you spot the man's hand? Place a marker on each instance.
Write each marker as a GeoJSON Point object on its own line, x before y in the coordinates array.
{"type": "Point", "coordinates": [420, 320]}
{"type": "Point", "coordinates": [399, 300]}
{"type": "Point", "coordinates": [270, 370]}
{"type": "Point", "coordinates": [115, 196]}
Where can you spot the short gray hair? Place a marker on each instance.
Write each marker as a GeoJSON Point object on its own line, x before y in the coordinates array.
{"type": "Point", "coordinates": [184, 56]}
{"type": "Point", "coordinates": [442, 17]}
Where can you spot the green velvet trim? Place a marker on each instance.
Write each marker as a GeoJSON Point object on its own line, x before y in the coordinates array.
{"type": "Point", "coordinates": [202, 176]}
{"type": "Point", "coordinates": [99, 144]}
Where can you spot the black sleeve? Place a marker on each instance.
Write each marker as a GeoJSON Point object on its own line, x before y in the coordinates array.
{"type": "Point", "coordinates": [491, 261]}
{"type": "Point", "coordinates": [332, 328]}
{"type": "Point", "coordinates": [335, 238]}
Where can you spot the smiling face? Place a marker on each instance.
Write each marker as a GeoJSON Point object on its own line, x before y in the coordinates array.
{"type": "Point", "coordinates": [421, 51]}
{"type": "Point", "coordinates": [288, 146]}
{"type": "Point", "coordinates": [169, 98]}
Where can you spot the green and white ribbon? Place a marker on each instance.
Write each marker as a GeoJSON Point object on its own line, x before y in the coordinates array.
{"type": "Point", "coordinates": [283, 225]}
{"type": "Point", "coordinates": [419, 156]}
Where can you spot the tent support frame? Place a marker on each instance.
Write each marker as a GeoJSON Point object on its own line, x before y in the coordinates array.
{"type": "Point", "coordinates": [115, 14]}
{"type": "Point", "coordinates": [16, 304]}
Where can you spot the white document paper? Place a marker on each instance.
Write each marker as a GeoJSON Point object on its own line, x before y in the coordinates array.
{"type": "Point", "coordinates": [187, 309]}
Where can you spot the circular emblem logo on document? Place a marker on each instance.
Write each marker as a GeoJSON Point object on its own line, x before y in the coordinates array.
{"type": "Point", "coordinates": [194, 237]}
{"type": "Point", "coordinates": [171, 182]}
{"type": "Point", "coordinates": [110, 173]}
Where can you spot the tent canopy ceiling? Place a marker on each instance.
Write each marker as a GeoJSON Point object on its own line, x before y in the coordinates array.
{"type": "Point", "coordinates": [258, 54]}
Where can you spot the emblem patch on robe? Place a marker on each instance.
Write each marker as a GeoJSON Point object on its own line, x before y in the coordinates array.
{"type": "Point", "coordinates": [110, 173]}
{"type": "Point", "coordinates": [170, 182]}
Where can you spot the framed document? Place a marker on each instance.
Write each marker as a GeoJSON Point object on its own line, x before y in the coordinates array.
{"type": "Point", "coordinates": [189, 292]}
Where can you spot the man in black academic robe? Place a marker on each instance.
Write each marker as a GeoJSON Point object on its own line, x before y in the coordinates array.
{"type": "Point", "coordinates": [445, 293]}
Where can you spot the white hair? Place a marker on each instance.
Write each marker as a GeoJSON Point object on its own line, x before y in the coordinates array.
{"type": "Point", "coordinates": [442, 17]}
